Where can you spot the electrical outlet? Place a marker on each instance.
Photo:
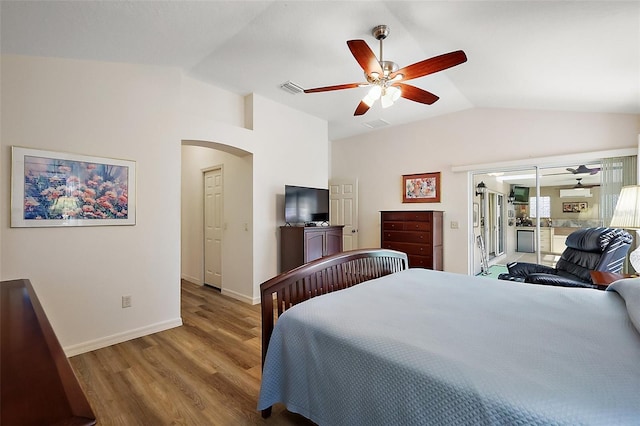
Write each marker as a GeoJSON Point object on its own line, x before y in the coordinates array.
{"type": "Point", "coordinates": [126, 301]}
{"type": "Point", "coordinates": [454, 224]}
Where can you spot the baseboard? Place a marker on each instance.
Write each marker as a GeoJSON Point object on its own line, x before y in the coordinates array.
{"type": "Point", "coordinates": [194, 280]}
{"type": "Point", "coordinates": [239, 296]}
{"type": "Point", "coordinates": [103, 342]}
{"type": "Point", "coordinates": [234, 294]}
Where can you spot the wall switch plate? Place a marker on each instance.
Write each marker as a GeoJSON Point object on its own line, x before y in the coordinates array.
{"type": "Point", "coordinates": [126, 301]}
{"type": "Point", "coordinates": [454, 224]}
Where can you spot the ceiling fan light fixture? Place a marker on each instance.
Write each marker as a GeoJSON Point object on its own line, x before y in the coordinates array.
{"type": "Point", "coordinates": [373, 95]}
{"type": "Point", "coordinates": [386, 101]}
{"type": "Point", "coordinates": [391, 94]}
{"type": "Point", "coordinates": [395, 93]}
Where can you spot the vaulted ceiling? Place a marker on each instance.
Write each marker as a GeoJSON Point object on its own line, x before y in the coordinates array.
{"type": "Point", "coordinates": [547, 55]}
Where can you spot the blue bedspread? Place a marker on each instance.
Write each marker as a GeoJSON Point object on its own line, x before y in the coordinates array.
{"type": "Point", "coordinates": [421, 347]}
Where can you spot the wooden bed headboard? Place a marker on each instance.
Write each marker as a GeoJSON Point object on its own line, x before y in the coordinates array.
{"type": "Point", "coordinates": [322, 276]}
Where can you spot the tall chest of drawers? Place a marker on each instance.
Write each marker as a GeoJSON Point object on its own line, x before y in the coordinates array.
{"type": "Point", "coordinates": [417, 233]}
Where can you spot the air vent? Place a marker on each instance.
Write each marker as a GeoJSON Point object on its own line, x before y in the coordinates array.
{"type": "Point", "coordinates": [375, 124]}
{"type": "Point", "coordinates": [292, 88]}
{"type": "Point", "coordinates": [576, 193]}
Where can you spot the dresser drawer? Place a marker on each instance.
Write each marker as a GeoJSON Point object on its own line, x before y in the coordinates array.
{"type": "Point", "coordinates": [406, 226]}
{"type": "Point", "coordinates": [410, 248]}
{"type": "Point", "coordinates": [422, 237]}
{"type": "Point", "coordinates": [417, 226]}
{"type": "Point", "coordinates": [407, 216]}
{"type": "Point", "coordinates": [393, 226]}
{"type": "Point", "coordinates": [420, 262]}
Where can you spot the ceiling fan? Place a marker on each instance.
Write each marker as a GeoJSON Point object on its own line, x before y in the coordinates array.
{"type": "Point", "coordinates": [580, 185]}
{"type": "Point", "coordinates": [387, 79]}
{"type": "Point", "coordinates": [582, 169]}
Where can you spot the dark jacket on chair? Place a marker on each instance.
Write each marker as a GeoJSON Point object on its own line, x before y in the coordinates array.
{"type": "Point", "coordinates": [588, 249]}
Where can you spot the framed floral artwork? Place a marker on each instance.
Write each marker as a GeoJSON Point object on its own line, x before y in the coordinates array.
{"type": "Point", "coordinates": [61, 189]}
{"type": "Point", "coordinates": [421, 188]}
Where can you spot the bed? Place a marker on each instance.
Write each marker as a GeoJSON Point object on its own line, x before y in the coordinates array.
{"type": "Point", "coordinates": [415, 347]}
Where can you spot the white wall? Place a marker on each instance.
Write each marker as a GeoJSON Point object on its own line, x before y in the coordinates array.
{"type": "Point", "coordinates": [143, 114]}
{"type": "Point", "coordinates": [474, 136]}
{"type": "Point", "coordinates": [80, 274]}
{"type": "Point", "coordinates": [296, 151]}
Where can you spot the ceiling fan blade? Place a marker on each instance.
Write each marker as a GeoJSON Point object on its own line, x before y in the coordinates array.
{"type": "Point", "coordinates": [416, 94]}
{"type": "Point", "coordinates": [431, 65]}
{"type": "Point", "coordinates": [582, 169]}
{"type": "Point", "coordinates": [336, 87]}
{"type": "Point", "coordinates": [365, 56]}
{"type": "Point", "coordinates": [361, 108]}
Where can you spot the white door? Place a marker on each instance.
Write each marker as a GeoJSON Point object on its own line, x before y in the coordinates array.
{"type": "Point", "coordinates": [213, 218]}
{"type": "Point", "coordinates": [343, 200]}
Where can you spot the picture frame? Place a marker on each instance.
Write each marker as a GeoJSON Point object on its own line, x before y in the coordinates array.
{"type": "Point", "coordinates": [50, 189]}
{"type": "Point", "coordinates": [421, 188]}
{"type": "Point", "coordinates": [476, 215]}
{"type": "Point", "coordinates": [575, 207]}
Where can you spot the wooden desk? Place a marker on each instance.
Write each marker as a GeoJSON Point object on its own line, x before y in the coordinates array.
{"type": "Point", "coordinates": [38, 384]}
{"type": "Point", "coordinates": [603, 279]}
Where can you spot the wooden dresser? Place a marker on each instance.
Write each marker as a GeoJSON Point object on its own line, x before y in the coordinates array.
{"type": "Point", "coordinates": [302, 244]}
{"type": "Point", "coordinates": [38, 383]}
{"type": "Point", "coordinates": [417, 233]}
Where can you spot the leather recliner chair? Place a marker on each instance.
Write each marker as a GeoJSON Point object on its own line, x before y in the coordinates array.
{"type": "Point", "coordinates": [588, 249]}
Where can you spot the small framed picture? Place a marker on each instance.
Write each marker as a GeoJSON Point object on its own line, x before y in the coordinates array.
{"type": "Point", "coordinates": [574, 207]}
{"type": "Point", "coordinates": [421, 188]}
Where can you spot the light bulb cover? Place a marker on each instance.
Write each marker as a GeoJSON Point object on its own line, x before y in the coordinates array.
{"type": "Point", "coordinates": [375, 92]}
{"type": "Point", "coordinates": [368, 100]}
{"type": "Point", "coordinates": [386, 101]}
{"type": "Point", "coordinates": [395, 93]}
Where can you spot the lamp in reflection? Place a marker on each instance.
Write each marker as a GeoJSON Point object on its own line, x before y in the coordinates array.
{"type": "Point", "coordinates": [481, 189]}
{"type": "Point", "coordinates": [627, 216]}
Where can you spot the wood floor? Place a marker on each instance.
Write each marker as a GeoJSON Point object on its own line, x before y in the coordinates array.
{"type": "Point", "coordinates": [206, 372]}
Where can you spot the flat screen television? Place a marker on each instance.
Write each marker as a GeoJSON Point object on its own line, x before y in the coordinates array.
{"type": "Point", "coordinates": [521, 195]}
{"type": "Point", "coordinates": [304, 205]}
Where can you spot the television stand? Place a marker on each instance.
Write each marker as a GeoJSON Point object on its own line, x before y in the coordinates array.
{"type": "Point", "coordinates": [302, 244]}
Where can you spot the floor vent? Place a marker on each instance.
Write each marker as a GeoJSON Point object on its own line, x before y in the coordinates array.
{"type": "Point", "coordinates": [375, 124]}
{"type": "Point", "coordinates": [292, 88]}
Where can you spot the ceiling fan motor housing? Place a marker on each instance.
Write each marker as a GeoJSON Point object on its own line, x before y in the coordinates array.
{"type": "Point", "coordinates": [380, 32]}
